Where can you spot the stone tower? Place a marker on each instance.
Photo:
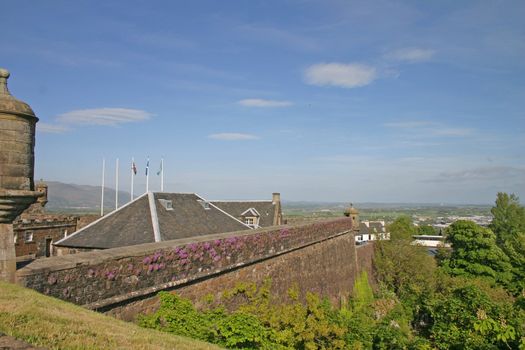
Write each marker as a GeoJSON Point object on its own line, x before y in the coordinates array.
{"type": "Point", "coordinates": [354, 214]}
{"type": "Point", "coordinates": [17, 157]}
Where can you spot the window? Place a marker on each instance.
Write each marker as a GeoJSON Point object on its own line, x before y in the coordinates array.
{"type": "Point", "coordinates": [249, 221]}
{"type": "Point", "coordinates": [28, 237]}
{"type": "Point", "coordinates": [205, 204]}
{"type": "Point", "coordinates": [166, 203]}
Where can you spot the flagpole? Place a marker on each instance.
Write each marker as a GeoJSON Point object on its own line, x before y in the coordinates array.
{"type": "Point", "coordinates": [147, 176]}
{"type": "Point", "coordinates": [162, 175]}
{"type": "Point", "coordinates": [102, 196]}
{"type": "Point", "coordinates": [116, 185]}
{"type": "Point", "coordinates": [132, 176]}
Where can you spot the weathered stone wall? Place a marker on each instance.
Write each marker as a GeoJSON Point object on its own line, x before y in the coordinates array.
{"type": "Point", "coordinates": [326, 268]}
{"type": "Point", "coordinates": [315, 255]}
{"type": "Point", "coordinates": [43, 227]}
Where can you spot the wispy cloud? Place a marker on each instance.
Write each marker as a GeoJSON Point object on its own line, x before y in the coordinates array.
{"type": "Point", "coordinates": [349, 75]}
{"type": "Point", "coordinates": [411, 54]}
{"type": "Point", "coordinates": [257, 102]}
{"type": "Point", "coordinates": [104, 116]}
{"type": "Point", "coordinates": [408, 124]}
{"type": "Point", "coordinates": [232, 136]}
{"type": "Point", "coordinates": [429, 128]}
{"type": "Point", "coordinates": [489, 173]}
{"type": "Point", "coordinates": [51, 128]}
{"type": "Point", "coordinates": [279, 37]}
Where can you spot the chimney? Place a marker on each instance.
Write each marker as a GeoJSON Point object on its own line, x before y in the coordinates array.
{"type": "Point", "coordinates": [277, 216]}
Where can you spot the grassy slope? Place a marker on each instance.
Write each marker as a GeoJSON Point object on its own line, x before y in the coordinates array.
{"type": "Point", "coordinates": [51, 323]}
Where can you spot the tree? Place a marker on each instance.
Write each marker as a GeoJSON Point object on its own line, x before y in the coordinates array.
{"type": "Point", "coordinates": [426, 230]}
{"type": "Point", "coordinates": [508, 224]}
{"type": "Point", "coordinates": [406, 269]}
{"type": "Point", "coordinates": [475, 253]}
{"type": "Point", "coordinates": [402, 229]}
{"type": "Point", "coordinates": [508, 217]}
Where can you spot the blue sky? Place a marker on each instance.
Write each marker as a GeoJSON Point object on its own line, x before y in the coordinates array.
{"type": "Point", "coordinates": [364, 101]}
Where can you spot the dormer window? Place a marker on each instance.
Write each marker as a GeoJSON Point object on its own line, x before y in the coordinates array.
{"type": "Point", "coordinates": [167, 204]}
{"type": "Point", "coordinates": [249, 221]}
{"type": "Point", "coordinates": [205, 204]}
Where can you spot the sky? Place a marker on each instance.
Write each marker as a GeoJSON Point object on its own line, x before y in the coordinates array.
{"type": "Point", "coordinates": [355, 101]}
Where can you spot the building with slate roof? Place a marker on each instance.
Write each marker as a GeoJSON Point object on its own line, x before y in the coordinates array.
{"type": "Point", "coordinates": [255, 213]}
{"type": "Point", "coordinates": [157, 217]}
{"type": "Point", "coordinates": [371, 231]}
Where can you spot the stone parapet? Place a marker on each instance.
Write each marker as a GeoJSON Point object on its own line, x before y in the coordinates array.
{"type": "Point", "coordinates": [100, 278]}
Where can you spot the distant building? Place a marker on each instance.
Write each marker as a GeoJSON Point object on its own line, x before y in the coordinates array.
{"type": "Point", "coordinates": [430, 241]}
{"type": "Point", "coordinates": [35, 231]}
{"type": "Point", "coordinates": [371, 231]}
{"type": "Point", "coordinates": [157, 217]}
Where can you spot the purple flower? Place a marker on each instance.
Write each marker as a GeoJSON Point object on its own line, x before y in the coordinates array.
{"type": "Point", "coordinates": [147, 260]}
{"type": "Point", "coordinates": [217, 258]}
{"type": "Point", "coordinates": [207, 245]}
{"type": "Point", "coordinates": [150, 268]}
{"type": "Point", "coordinates": [110, 275]}
{"type": "Point", "coordinates": [193, 247]}
{"type": "Point", "coordinates": [217, 242]}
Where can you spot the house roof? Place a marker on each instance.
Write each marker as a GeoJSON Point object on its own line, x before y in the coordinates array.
{"type": "Point", "coordinates": [265, 209]}
{"type": "Point", "coordinates": [369, 227]}
{"type": "Point", "coordinates": [148, 219]}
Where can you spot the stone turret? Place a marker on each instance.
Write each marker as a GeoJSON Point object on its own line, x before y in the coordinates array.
{"type": "Point", "coordinates": [17, 157]}
{"type": "Point", "coordinates": [354, 214]}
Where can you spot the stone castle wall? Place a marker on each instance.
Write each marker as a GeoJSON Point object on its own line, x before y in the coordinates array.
{"type": "Point", "coordinates": [319, 256]}
{"type": "Point", "coordinates": [326, 268]}
{"type": "Point", "coordinates": [42, 227]}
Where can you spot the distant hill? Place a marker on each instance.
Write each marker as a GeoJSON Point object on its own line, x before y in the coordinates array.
{"type": "Point", "coordinates": [72, 197]}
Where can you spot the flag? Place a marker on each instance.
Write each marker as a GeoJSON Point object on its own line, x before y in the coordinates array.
{"type": "Point", "coordinates": [160, 169]}
{"type": "Point", "coordinates": [134, 168]}
{"type": "Point", "coordinates": [147, 167]}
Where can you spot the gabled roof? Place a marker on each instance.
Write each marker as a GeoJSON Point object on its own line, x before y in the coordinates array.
{"type": "Point", "coordinates": [265, 209]}
{"type": "Point", "coordinates": [251, 212]}
{"type": "Point", "coordinates": [146, 220]}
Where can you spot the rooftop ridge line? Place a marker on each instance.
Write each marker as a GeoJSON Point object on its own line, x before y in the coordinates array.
{"type": "Point", "coordinates": [99, 219]}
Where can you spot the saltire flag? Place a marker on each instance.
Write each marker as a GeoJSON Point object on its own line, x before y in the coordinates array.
{"type": "Point", "coordinates": [134, 168]}
{"type": "Point", "coordinates": [160, 169]}
{"type": "Point", "coordinates": [147, 167]}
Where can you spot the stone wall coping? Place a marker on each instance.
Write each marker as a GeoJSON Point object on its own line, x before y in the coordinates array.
{"type": "Point", "coordinates": [70, 261]}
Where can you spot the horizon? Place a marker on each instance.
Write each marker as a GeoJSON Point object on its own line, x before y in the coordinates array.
{"type": "Point", "coordinates": [284, 200]}
{"type": "Point", "coordinates": [372, 102]}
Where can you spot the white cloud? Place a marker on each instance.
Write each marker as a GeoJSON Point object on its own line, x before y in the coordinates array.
{"type": "Point", "coordinates": [491, 173]}
{"type": "Point", "coordinates": [233, 136]}
{"type": "Point", "coordinates": [429, 128]}
{"type": "Point", "coordinates": [257, 102]}
{"type": "Point", "coordinates": [104, 116]}
{"type": "Point", "coordinates": [339, 74]}
{"type": "Point", "coordinates": [408, 124]}
{"type": "Point", "coordinates": [411, 54]}
{"type": "Point", "coordinates": [51, 128]}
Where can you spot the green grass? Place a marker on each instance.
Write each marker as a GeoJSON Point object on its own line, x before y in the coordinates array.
{"type": "Point", "coordinates": [55, 324]}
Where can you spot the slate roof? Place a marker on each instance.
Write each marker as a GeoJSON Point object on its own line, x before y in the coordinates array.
{"type": "Point", "coordinates": [266, 209]}
{"type": "Point", "coordinates": [134, 222]}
